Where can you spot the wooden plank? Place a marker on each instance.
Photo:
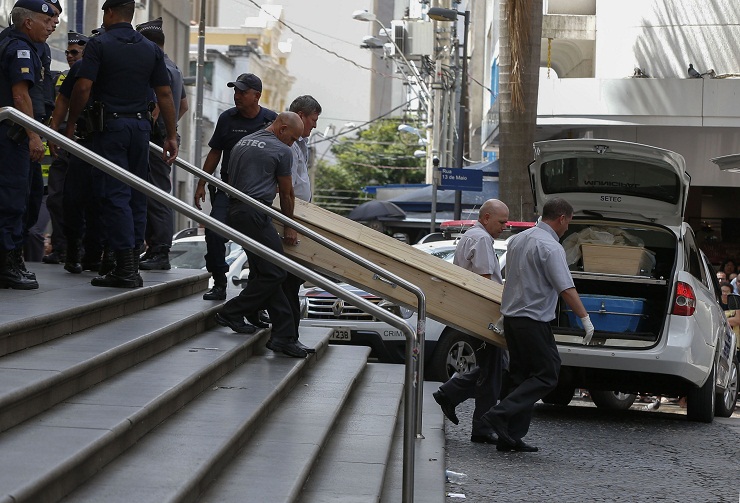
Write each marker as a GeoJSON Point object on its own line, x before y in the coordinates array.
{"type": "Point", "coordinates": [456, 297]}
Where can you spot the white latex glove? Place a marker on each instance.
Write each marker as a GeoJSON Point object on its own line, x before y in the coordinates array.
{"type": "Point", "coordinates": [498, 327]}
{"type": "Point", "coordinates": [589, 328]}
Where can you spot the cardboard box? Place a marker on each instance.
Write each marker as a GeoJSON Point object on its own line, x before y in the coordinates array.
{"type": "Point", "coordinates": [615, 259]}
{"type": "Point", "coordinates": [610, 313]}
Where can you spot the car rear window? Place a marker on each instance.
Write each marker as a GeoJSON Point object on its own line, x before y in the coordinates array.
{"type": "Point", "coordinates": [610, 176]}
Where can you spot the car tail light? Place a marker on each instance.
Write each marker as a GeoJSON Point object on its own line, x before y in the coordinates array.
{"type": "Point", "coordinates": [684, 303]}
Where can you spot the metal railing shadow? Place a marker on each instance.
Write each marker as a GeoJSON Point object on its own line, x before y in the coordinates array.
{"type": "Point", "coordinates": [414, 347]}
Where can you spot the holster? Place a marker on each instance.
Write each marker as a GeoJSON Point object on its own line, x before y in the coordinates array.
{"type": "Point", "coordinates": [17, 133]}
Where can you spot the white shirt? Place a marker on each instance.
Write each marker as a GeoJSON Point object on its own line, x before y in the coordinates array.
{"type": "Point", "coordinates": [301, 181]}
{"type": "Point", "coordinates": [475, 253]}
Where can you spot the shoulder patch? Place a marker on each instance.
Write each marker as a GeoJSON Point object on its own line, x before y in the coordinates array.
{"type": "Point", "coordinates": [23, 54]}
{"type": "Point", "coordinates": [25, 70]}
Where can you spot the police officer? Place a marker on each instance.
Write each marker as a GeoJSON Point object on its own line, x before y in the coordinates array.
{"type": "Point", "coordinates": [245, 118]}
{"type": "Point", "coordinates": [117, 69]}
{"type": "Point", "coordinates": [159, 223]}
{"type": "Point", "coordinates": [81, 209]}
{"type": "Point", "coordinates": [58, 169]}
{"type": "Point", "coordinates": [20, 67]}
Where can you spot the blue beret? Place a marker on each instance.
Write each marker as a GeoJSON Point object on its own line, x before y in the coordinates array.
{"type": "Point", "coordinates": [56, 3]}
{"type": "Point", "coordinates": [115, 3]}
{"type": "Point", "coordinates": [35, 6]}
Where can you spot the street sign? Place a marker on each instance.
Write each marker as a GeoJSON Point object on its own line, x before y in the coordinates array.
{"type": "Point", "coordinates": [460, 179]}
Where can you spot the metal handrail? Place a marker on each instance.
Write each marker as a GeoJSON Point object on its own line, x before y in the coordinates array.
{"type": "Point", "coordinates": [417, 352]}
{"type": "Point", "coordinates": [410, 406]}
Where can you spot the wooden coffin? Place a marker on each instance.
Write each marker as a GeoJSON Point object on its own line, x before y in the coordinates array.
{"type": "Point", "coordinates": [454, 296]}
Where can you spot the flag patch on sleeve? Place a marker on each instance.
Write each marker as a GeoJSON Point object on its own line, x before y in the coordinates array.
{"type": "Point", "coordinates": [25, 70]}
{"type": "Point", "coordinates": [23, 54]}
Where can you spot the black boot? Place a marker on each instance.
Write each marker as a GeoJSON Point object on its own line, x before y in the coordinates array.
{"type": "Point", "coordinates": [124, 275]}
{"type": "Point", "coordinates": [72, 262]}
{"type": "Point", "coordinates": [139, 279]}
{"type": "Point", "coordinates": [108, 263]}
{"type": "Point", "coordinates": [10, 277]}
{"type": "Point", "coordinates": [159, 261]}
{"type": "Point", "coordinates": [16, 258]}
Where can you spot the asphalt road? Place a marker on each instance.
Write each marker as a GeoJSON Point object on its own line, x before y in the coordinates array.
{"type": "Point", "coordinates": [588, 454]}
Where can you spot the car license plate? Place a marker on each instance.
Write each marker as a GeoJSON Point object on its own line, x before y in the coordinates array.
{"type": "Point", "coordinates": [341, 334]}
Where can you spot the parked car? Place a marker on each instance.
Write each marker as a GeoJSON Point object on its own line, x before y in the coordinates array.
{"type": "Point", "coordinates": [677, 341]}
{"type": "Point", "coordinates": [189, 253]}
{"type": "Point", "coordinates": [446, 349]}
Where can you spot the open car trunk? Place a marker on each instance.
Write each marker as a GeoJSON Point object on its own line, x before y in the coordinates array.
{"type": "Point", "coordinates": [625, 287]}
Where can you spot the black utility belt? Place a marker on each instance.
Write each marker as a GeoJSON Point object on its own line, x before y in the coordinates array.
{"type": "Point", "coordinates": [120, 115]}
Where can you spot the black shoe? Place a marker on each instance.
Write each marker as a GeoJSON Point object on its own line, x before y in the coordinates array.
{"type": "Point", "coordinates": [72, 260]}
{"type": "Point", "coordinates": [518, 446]}
{"type": "Point", "coordinates": [235, 325]}
{"type": "Point", "coordinates": [90, 266]}
{"type": "Point", "coordinates": [218, 292]}
{"type": "Point", "coordinates": [287, 348]}
{"type": "Point", "coordinates": [254, 319]}
{"type": "Point", "coordinates": [264, 317]}
{"type": "Point", "coordinates": [484, 439]}
{"type": "Point", "coordinates": [16, 260]}
{"type": "Point", "coordinates": [53, 258]}
{"type": "Point", "coordinates": [499, 426]}
{"type": "Point", "coordinates": [447, 408]}
{"type": "Point", "coordinates": [157, 262]}
{"type": "Point", "coordinates": [10, 277]}
{"type": "Point", "coordinates": [305, 348]}
{"type": "Point", "coordinates": [124, 275]}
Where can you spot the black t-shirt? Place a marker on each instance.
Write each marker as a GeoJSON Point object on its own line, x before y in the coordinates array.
{"type": "Point", "coordinates": [232, 127]}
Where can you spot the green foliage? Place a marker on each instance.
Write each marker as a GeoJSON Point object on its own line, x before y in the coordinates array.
{"type": "Point", "coordinates": [378, 155]}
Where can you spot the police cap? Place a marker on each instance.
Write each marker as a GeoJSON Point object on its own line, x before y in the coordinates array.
{"type": "Point", "coordinates": [153, 25]}
{"type": "Point", "coordinates": [35, 6]}
{"type": "Point", "coordinates": [98, 31]}
{"type": "Point", "coordinates": [247, 81]}
{"type": "Point", "coordinates": [76, 38]}
{"type": "Point", "coordinates": [115, 3]}
{"type": "Point", "coordinates": [56, 3]}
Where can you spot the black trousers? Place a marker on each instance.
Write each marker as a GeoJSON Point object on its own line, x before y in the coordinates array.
{"type": "Point", "coordinates": [264, 289]}
{"type": "Point", "coordinates": [483, 383]}
{"type": "Point", "coordinates": [534, 365]}
{"type": "Point", "coordinates": [54, 201]}
{"type": "Point", "coordinates": [159, 223]}
{"type": "Point", "coordinates": [291, 287]}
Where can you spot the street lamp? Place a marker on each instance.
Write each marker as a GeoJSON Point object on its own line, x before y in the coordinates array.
{"type": "Point", "coordinates": [450, 15]}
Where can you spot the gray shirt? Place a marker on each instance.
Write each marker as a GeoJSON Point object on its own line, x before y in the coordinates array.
{"type": "Point", "coordinates": [301, 181]}
{"type": "Point", "coordinates": [536, 273]}
{"type": "Point", "coordinates": [475, 253]}
{"type": "Point", "coordinates": [256, 162]}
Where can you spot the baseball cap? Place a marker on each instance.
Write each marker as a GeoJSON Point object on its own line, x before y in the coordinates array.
{"type": "Point", "coordinates": [35, 6]}
{"type": "Point", "coordinates": [247, 81]}
{"type": "Point", "coordinates": [76, 38]}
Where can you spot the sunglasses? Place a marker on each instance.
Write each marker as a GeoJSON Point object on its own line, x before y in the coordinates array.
{"type": "Point", "coordinates": [73, 52]}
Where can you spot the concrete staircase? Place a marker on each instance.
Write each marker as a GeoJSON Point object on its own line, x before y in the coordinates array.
{"type": "Point", "coordinates": [111, 395]}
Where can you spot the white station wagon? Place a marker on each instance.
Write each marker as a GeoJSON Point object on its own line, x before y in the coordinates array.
{"type": "Point", "coordinates": [650, 291]}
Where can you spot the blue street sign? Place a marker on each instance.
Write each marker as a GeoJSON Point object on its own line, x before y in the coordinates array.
{"type": "Point", "coordinates": [461, 179]}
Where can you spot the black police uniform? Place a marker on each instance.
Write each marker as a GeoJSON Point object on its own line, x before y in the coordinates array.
{"type": "Point", "coordinates": [123, 65]}
{"type": "Point", "coordinates": [19, 61]}
{"type": "Point", "coordinates": [230, 128]}
{"type": "Point", "coordinates": [80, 206]}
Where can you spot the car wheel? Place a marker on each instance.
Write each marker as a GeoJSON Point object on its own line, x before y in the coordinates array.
{"type": "Point", "coordinates": [725, 402]}
{"type": "Point", "coordinates": [561, 395]}
{"type": "Point", "coordinates": [700, 401]}
{"type": "Point", "coordinates": [612, 400]}
{"type": "Point", "coordinates": [455, 352]}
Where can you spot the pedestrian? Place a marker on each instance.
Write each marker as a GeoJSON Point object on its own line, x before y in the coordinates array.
{"type": "Point", "coordinates": [81, 223]}
{"type": "Point", "coordinates": [474, 252]}
{"type": "Point", "coordinates": [260, 162]}
{"type": "Point", "coordinates": [246, 117]}
{"type": "Point", "coordinates": [20, 70]}
{"type": "Point", "coordinates": [536, 274]}
{"type": "Point", "coordinates": [159, 217]}
{"type": "Point", "coordinates": [118, 69]}
{"type": "Point", "coordinates": [58, 168]}
{"type": "Point", "coordinates": [308, 109]}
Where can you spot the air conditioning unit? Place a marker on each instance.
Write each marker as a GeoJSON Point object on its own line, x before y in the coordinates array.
{"type": "Point", "coordinates": [414, 38]}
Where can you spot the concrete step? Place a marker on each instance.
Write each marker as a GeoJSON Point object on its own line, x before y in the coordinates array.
{"type": "Point", "coordinates": [67, 303]}
{"type": "Point", "coordinates": [274, 465]}
{"type": "Point", "coordinates": [429, 459]}
{"type": "Point", "coordinates": [39, 377]}
{"type": "Point", "coordinates": [51, 454]}
{"type": "Point", "coordinates": [176, 461]}
{"type": "Point", "coordinates": [360, 444]}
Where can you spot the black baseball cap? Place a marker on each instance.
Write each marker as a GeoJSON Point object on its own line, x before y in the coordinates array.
{"type": "Point", "coordinates": [247, 81]}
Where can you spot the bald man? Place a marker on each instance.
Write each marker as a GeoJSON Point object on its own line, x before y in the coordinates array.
{"type": "Point", "coordinates": [475, 253]}
{"type": "Point", "coordinates": [258, 163]}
